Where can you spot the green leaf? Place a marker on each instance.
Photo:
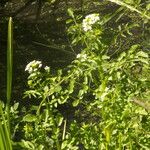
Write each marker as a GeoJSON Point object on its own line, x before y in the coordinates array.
{"type": "Point", "coordinates": [142, 60]}
{"type": "Point", "coordinates": [85, 88]}
{"type": "Point", "coordinates": [105, 57]}
{"type": "Point", "coordinates": [142, 54]}
{"type": "Point", "coordinates": [76, 102]}
{"type": "Point", "coordinates": [59, 120]}
{"type": "Point", "coordinates": [64, 144]}
{"type": "Point", "coordinates": [132, 49]}
{"type": "Point", "coordinates": [123, 54]}
{"type": "Point", "coordinates": [29, 118]}
{"type": "Point", "coordinates": [41, 147]}
{"type": "Point", "coordinates": [58, 88]}
{"type": "Point", "coordinates": [27, 144]}
{"type": "Point", "coordinates": [69, 21]}
{"type": "Point", "coordinates": [81, 92]}
{"type": "Point", "coordinates": [70, 12]}
{"type": "Point", "coordinates": [71, 85]}
{"type": "Point", "coordinates": [16, 106]}
{"type": "Point", "coordinates": [141, 111]}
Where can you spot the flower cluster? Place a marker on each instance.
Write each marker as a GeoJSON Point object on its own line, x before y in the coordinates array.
{"type": "Point", "coordinates": [33, 66]}
{"type": "Point", "coordinates": [89, 21]}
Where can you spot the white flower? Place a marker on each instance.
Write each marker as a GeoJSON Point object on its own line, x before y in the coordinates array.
{"type": "Point", "coordinates": [89, 21]}
{"type": "Point", "coordinates": [86, 27]}
{"type": "Point", "coordinates": [47, 68]}
{"type": "Point", "coordinates": [79, 55]}
{"type": "Point", "coordinates": [33, 66]}
{"type": "Point", "coordinates": [92, 18]}
{"type": "Point", "coordinates": [82, 57]}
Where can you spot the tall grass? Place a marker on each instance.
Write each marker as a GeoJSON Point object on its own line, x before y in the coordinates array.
{"type": "Point", "coordinates": [5, 135]}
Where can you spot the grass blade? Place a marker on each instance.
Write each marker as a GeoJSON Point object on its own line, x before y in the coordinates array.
{"type": "Point", "coordinates": [119, 2]}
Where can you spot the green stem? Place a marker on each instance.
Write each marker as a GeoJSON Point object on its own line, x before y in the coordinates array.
{"type": "Point", "coordinates": [9, 69]}
{"type": "Point", "coordinates": [64, 130]}
{"type": "Point", "coordinates": [5, 141]}
{"type": "Point", "coordinates": [52, 116]}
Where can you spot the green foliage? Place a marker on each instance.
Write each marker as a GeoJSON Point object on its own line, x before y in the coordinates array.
{"type": "Point", "coordinates": [101, 86]}
{"type": "Point", "coordinates": [5, 141]}
{"type": "Point", "coordinates": [101, 100]}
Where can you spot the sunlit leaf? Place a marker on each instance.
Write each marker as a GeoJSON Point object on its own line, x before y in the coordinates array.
{"type": "Point", "coordinates": [76, 102]}
{"type": "Point", "coordinates": [29, 118]}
